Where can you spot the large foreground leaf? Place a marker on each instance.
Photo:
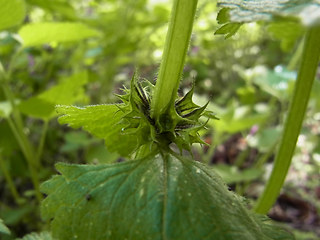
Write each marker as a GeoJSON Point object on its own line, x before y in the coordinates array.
{"type": "Point", "coordinates": [158, 197]}
{"type": "Point", "coordinates": [40, 33]}
{"type": "Point", "coordinates": [289, 17]}
{"type": "Point", "coordinates": [12, 12]}
{"type": "Point", "coordinates": [307, 11]}
{"type": "Point", "coordinates": [102, 121]}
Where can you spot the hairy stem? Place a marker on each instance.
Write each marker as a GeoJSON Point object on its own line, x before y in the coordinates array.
{"type": "Point", "coordinates": [175, 50]}
{"type": "Point", "coordinates": [303, 86]}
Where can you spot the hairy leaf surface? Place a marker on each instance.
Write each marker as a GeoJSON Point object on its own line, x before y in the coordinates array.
{"type": "Point", "coordinates": [289, 17]}
{"type": "Point", "coordinates": [157, 197]}
{"type": "Point", "coordinates": [68, 91]}
{"type": "Point", "coordinates": [307, 11]}
{"type": "Point", "coordinates": [102, 121]}
{"type": "Point", "coordinates": [11, 13]}
{"type": "Point", "coordinates": [40, 33]}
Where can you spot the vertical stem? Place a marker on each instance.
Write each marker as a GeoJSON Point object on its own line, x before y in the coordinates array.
{"type": "Point", "coordinates": [175, 50]}
{"type": "Point", "coordinates": [303, 86]}
{"type": "Point", "coordinates": [9, 180]}
{"type": "Point", "coordinates": [16, 126]}
{"type": "Point", "coordinates": [42, 140]}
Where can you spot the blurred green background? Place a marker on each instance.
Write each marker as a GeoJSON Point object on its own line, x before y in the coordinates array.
{"type": "Point", "coordinates": [247, 78]}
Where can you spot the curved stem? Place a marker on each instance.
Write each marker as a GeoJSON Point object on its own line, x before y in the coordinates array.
{"type": "Point", "coordinates": [175, 50]}
{"type": "Point", "coordinates": [303, 86]}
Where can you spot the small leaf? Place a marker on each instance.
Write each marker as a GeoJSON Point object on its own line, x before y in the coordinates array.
{"type": "Point", "coordinates": [223, 16]}
{"type": "Point", "coordinates": [102, 121]}
{"type": "Point", "coordinates": [12, 13]}
{"type": "Point", "coordinates": [240, 11]}
{"type": "Point", "coordinates": [158, 197]}
{"type": "Point", "coordinates": [69, 91]}
{"type": "Point", "coordinates": [37, 236]}
{"type": "Point", "coordinates": [3, 228]}
{"type": "Point", "coordinates": [40, 33]}
{"type": "Point", "coordinates": [228, 29]}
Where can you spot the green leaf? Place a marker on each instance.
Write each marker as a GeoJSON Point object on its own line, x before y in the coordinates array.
{"type": "Point", "coordinates": [102, 121]}
{"type": "Point", "coordinates": [40, 33]}
{"type": "Point", "coordinates": [3, 228]}
{"type": "Point", "coordinates": [276, 82]}
{"type": "Point", "coordinates": [5, 109]}
{"type": "Point", "coordinates": [307, 11]}
{"type": "Point", "coordinates": [265, 140]}
{"type": "Point", "coordinates": [12, 13]}
{"type": "Point", "coordinates": [69, 91]}
{"type": "Point", "coordinates": [157, 197]}
{"type": "Point", "coordinates": [288, 32]}
{"type": "Point", "coordinates": [37, 236]}
{"type": "Point", "coordinates": [228, 29]}
{"type": "Point", "coordinates": [239, 118]}
{"type": "Point", "coordinates": [56, 6]}
{"type": "Point", "coordinates": [231, 174]}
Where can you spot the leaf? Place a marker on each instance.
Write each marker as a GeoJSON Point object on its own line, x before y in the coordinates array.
{"type": "Point", "coordinates": [231, 174]}
{"type": "Point", "coordinates": [239, 118]}
{"type": "Point", "coordinates": [240, 11]}
{"type": "Point", "coordinates": [102, 121]}
{"type": "Point", "coordinates": [56, 6]}
{"type": "Point", "coordinates": [68, 91]}
{"type": "Point", "coordinates": [40, 33]}
{"type": "Point", "coordinates": [12, 13]}
{"type": "Point", "coordinates": [228, 29]}
{"type": "Point", "coordinates": [288, 32]}
{"type": "Point", "coordinates": [5, 109]}
{"type": "Point", "coordinates": [3, 228]}
{"type": "Point", "coordinates": [265, 140]}
{"type": "Point", "coordinates": [37, 236]}
{"type": "Point", "coordinates": [276, 82]}
{"type": "Point", "coordinates": [157, 197]}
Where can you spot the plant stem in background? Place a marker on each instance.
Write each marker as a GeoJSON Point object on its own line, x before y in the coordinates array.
{"type": "Point", "coordinates": [175, 50]}
{"type": "Point", "coordinates": [303, 86]}
{"type": "Point", "coordinates": [294, 62]}
{"type": "Point", "coordinates": [9, 180]}
{"type": "Point", "coordinates": [42, 141]}
{"type": "Point", "coordinates": [16, 125]}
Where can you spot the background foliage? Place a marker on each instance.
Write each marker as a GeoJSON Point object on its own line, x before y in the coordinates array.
{"type": "Point", "coordinates": [90, 49]}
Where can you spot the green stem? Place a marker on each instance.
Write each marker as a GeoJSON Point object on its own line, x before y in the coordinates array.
{"type": "Point", "coordinates": [9, 180]}
{"type": "Point", "coordinates": [42, 140]}
{"type": "Point", "coordinates": [175, 50]}
{"type": "Point", "coordinates": [293, 64]}
{"type": "Point", "coordinates": [309, 64]}
{"type": "Point", "coordinates": [29, 157]}
{"type": "Point", "coordinates": [18, 131]}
